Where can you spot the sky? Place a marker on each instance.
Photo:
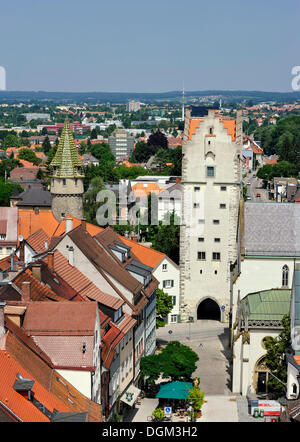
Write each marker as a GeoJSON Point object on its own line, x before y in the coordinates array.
{"type": "Point", "coordinates": [149, 45]}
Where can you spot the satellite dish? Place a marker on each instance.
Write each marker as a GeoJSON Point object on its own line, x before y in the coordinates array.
{"type": "Point", "coordinates": [21, 238]}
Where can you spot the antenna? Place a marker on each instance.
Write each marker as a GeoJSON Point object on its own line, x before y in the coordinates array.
{"type": "Point", "coordinates": [182, 101]}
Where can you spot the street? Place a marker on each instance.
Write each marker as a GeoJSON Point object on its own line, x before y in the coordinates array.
{"type": "Point", "coordinates": [255, 187]}
{"type": "Point", "coordinates": [209, 339]}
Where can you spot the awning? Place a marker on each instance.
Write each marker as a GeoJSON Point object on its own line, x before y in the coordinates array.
{"type": "Point", "coordinates": [175, 390]}
{"type": "Point", "coordinates": [130, 395]}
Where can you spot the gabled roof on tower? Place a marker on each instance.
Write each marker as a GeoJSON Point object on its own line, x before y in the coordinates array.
{"type": "Point", "coordinates": [67, 159]}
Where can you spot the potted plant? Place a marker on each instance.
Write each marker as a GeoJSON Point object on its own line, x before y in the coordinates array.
{"type": "Point", "coordinates": [117, 417]}
{"type": "Point", "coordinates": [196, 398]}
{"type": "Point", "coordinates": [193, 415]}
{"type": "Point", "coordinates": [158, 414]}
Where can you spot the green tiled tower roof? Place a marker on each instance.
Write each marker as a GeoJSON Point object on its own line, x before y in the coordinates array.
{"type": "Point", "coordinates": [67, 159]}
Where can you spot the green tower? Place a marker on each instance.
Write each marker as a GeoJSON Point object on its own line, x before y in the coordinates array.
{"type": "Point", "coordinates": [67, 178]}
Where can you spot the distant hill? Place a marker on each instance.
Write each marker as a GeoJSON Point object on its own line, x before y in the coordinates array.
{"type": "Point", "coordinates": [123, 97]}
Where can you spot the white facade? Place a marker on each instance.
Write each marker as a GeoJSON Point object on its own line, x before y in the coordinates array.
{"type": "Point", "coordinates": [167, 273]}
{"type": "Point", "coordinates": [211, 179]}
{"type": "Point", "coordinates": [247, 358]}
{"type": "Point", "coordinates": [259, 274]}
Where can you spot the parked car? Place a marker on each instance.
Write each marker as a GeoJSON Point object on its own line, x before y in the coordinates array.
{"type": "Point", "coordinates": [258, 195]}
{"type": "Point", "coordinates": [249, 197]}
{"type": "Point", "coordinates": [248, 184]}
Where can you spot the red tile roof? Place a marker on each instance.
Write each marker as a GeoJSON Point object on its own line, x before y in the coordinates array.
{"type": "Point", "coordinates": [60, 318]}
{"type": "Point", "coordinates": [37, 241]}
{"type": "Point", "coordinates": [25, 410]}
{"type": "Point", "coordinates": [30, 356]}
{"type": "Point", "coordinates": [29, 222]}
{"type": "Point", "coordinates": [81, 284]}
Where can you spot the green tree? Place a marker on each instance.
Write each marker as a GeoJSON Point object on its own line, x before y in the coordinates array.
{"type": "Point", "coordinates": [7, 165]}
{"type": "Point", "coordinates": [142, 152]}
{"type": "Point", "coordinates": [46, 146]}
{"type": "Point", "coordinates": [164, 306]}
{"type": "Point", "coordinates": [177, 361]}
{"type": "Point", "coordinates": [158, 140]}
{"type": "Point", "coordinates": [6, 190]}
{"type": "Point", "coordinates": [167, 238]}
{"type": "Point", "coordinates": [10, 140]}
{"type": "Point", "coordinates": [275, 358]}
{"type": "Point", "coordinates": [150, 368]}
{"type": "Point", "coordinates": [28, 155]}
{"type": "Point", "coordinates": [90, 205]}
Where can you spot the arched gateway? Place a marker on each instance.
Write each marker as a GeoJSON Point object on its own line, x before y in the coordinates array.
{"type": "Point", "coordinates": [209, 309]}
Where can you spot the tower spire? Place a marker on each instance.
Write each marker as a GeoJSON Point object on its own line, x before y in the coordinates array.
{"type": "Point", "coordinates": [67, 162]}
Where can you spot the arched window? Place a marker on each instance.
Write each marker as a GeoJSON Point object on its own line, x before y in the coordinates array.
{"type": "Point", "coordinates": [285, 276]}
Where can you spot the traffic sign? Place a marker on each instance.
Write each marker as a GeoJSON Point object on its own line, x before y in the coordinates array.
{"type": "Point", "coordinates": [223, 307]}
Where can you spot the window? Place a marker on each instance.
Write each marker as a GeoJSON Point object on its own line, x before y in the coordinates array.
{"type": "Point", "coordinates": [201, 255]}
{"type": "Point", "coordinates": [216, 256]}
{"type": "Point", "coordinates": [216, 221]}
{"type": "Point", "coordinates": [201, 239]}
{"type": "Point", "coordinates": [210, 171]}
{"type": "Point", "coordinates": [196, 205]}
{"type": "Point", "coordinates": [122, 346]}
{"type": "Point", "coordinates": [209, 142]}
{"type": "Point", "coordinates": [168, 283]}
{"type": "Point", "coordinates": [201, 221]}
{"type": "Point", "coordinates": [216, 272]}
{"type": "Point", "coordinates": [196, 189]}
{"type": "Point", "coordinates": [222, 206]}
{"type": "Point", "coordinates": [285, 276]}
{"type": "Point", "coordinates": [173, 318]}
{"type": "Point", "coordinates": [64, 181]}
{"type": "Point", "coordinates": [223, 188]}
{"type": "Point", "coordinates": [174, 300]}
{"type": "Point", "coordinates": [211, 130]}
{"type": "Point", "coordinates": [200, 272]}
{"type": "Point", "coordinates": [165, 267]}
{"type": "Point", "coordinates": [2, 236]}
{"type": "Point", "coordinates": [217, 239]}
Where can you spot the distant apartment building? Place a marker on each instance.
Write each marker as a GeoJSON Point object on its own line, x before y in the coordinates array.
{"type": "Point", "coordinates": [30, 117]}
{"type": "Point", "coordinates": [121, 144]}
{"type": "Point", "coordinates": [75, 127]}
{"type": "Point", "coordinates": [133, 106]}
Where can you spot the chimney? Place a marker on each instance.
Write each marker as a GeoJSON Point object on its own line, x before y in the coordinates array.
{"type": "Point", "coordinates": [71, 256]}
{"type": "Point", "coordinates": [50, 257]}
{"type": "Point", "coordinates": [22, 252]}
{"type": "Point", "coordinates": [36, 271]}
{"type": "Point", "coordinates": [2, 328]}
{"type": "Point", "coordinates": [68, 225]}
{"type": "Point", "coordinates": [25, 291]}
{"type": "Point", "coordinates": [83, 224]}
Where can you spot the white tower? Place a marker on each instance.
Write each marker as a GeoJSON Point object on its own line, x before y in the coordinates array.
{"type": "Point", "coordinates": [211, 179]}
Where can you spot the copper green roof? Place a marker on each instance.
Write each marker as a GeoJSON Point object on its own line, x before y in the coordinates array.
{"type": "Point", "coordinates": [67, 159]}
{"type": "Point", "coordinates": [267, 305]}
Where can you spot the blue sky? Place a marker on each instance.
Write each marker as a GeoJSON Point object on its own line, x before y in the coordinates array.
{"type": "Point", "coordinates": [149, 46]}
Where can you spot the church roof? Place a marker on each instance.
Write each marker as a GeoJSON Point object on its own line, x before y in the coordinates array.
{"type": "Point", "coordinates": [267, 305]}
{"type": "Point", "coordinates": [67, 159]}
